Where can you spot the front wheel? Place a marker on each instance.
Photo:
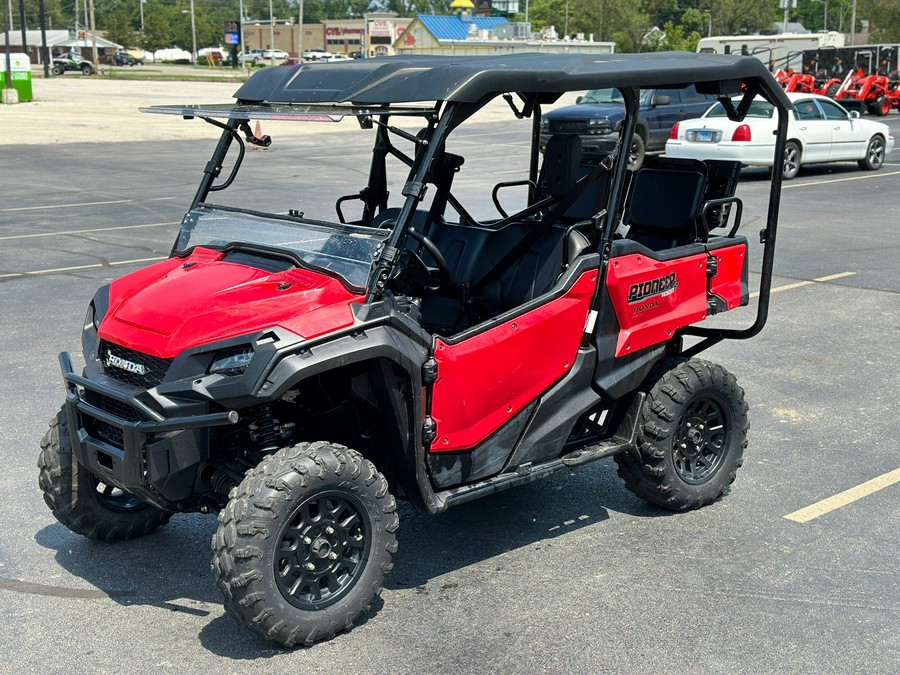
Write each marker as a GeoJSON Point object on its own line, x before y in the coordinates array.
{"type": "Point", "coordinates": [83, 502]}
{"type": "Point", "coordinates": [87, 69]}
{"type": "Point", "coordinates": [693, 432]}
{"type": "Point", "coordinates": [304, 544]}
{"type": "Point", "coordinates": [874, 158]}
{"type": "Point", "coordinates": [57, 70]}
{"type": "Point", "coordinates": [636, 154]}
{"type": "Point", "coordinates": [791, 160]}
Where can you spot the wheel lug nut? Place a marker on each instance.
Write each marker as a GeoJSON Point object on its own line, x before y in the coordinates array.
{"type": "Point", "coordinates": [329, 530]}
{"type": "Point", "coordinates": [684, 446]}
{"type": "Point", "coordinates": [307, 541]}
{"type": "Point", "coordinates": [688, 425]}
{"type": "Point", "coordinates": [310, 566]}
{"type": "Point", "coordinates": [332, 556]}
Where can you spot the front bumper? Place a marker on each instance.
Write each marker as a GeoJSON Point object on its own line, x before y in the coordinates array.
{"type": "Point", "coordinates": [127, 444]}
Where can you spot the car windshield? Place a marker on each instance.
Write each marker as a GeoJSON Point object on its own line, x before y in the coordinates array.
{"type": "Point", "coordinates": [342, 250]}
{"type": "Point", "coordinates": [762, 109]}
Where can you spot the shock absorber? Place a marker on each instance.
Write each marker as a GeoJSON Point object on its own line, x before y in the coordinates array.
{"type": "Point", "coordinates": [267, 432]}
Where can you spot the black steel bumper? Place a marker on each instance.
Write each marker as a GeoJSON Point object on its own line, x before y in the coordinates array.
{"type": "Point", "coordinates": [128, 444]}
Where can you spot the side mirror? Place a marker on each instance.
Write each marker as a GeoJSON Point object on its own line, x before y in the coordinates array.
{"type": "Point", "coordinates": [579, 99]}
{"type": "Point", "coordinates": [854, 114]}
{"type": "Point", "coordinates": [662, 99]}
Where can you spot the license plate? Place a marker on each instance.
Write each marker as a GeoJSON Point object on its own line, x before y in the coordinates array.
{"type": "Point", "coordinates": [704, 136]}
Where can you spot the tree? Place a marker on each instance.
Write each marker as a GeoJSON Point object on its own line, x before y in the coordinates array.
{"type": "Point", "coordinates": [118, 29]}
{"type": "Point", "coordinates": [157, 31]}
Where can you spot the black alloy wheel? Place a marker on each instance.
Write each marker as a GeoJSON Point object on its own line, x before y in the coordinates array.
{"type": "Point", "coordinates": [305, 542]}
{"type": "Point", "coordinates": [691, 437]}
{"type": "Point", "coordinates": [701, 440]}
{"type": "Point", "coordinates": [322, 551]}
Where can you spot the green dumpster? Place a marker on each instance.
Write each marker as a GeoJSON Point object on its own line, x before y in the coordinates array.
{"type": "Point", "coordinates": [20, 75]}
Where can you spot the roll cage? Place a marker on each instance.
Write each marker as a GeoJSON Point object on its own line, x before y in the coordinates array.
{"type": "Point", "coordinates": [444, 93]}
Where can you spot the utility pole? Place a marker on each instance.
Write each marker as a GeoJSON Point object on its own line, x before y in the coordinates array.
{"type": "Point", "coordinates": [141, 3]}
{"type": "Point", "coordinates": [271, 34]}
{"type": "Point", "coordinates": [10, 95]}
{"type": "Point", "coordinates": [243, 58]}
{"type": "Point", "coordinates": [45, 52]}
{"type": "Point", "coordinates": [853, 23]}
{"type": "Point", "coordinates": [96, 58]}
{"type": "Point", "coordinates": [300, 38]}
{"type": "Point", "coordinates": [193, 35]}
{"type": "Point", "coordinates": [22, 26]}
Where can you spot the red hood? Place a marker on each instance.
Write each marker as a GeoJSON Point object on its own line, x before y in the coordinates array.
{"type": "Point", "coordinates": [185, 302]}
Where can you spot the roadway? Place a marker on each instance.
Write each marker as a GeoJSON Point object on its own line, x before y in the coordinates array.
{"type": "Point", "coordinates": [570, 574]}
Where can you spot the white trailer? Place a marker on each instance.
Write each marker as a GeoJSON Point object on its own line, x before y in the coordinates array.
{"type": "Point", "coordinates": [776, 51]}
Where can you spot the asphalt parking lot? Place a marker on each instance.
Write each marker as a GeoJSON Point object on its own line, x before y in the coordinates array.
{"type": "Point", "coordinates": [570, 574]}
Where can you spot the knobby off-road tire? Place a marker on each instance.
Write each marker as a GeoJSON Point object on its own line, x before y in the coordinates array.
{"type": "Point", "coordinates": [81, 501]}
{"type": "Point", "coordinates": [692, 436]}
{"type": "Point", "coordinates": [305, 542]}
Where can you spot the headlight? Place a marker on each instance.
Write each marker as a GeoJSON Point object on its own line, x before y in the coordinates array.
{"type": "Point", "coordinates": [232, 361]}
{"type": "Point", "coordinates": [599, 126]}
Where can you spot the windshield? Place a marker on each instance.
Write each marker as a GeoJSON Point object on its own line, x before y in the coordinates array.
{"type": "Point", "coordinates": [342, 250]}
{"type": "Point", "coordinates": [762, 109]}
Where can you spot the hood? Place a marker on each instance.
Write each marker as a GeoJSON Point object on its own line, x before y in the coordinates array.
{"type": "Point", "coordinates": [586, 111]}
{"type": "Point", "coordinates": [187, 302]}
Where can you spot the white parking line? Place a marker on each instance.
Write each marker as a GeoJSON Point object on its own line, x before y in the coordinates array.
{"type": "Point", "coordinates": [92, 229]}
{"type": "Point", "coordinates": [840, 180]}
{"type": "Point", "coordinates": [67, 206]}
{"type": "Point", "coordinates": [115, 263]}
{"type": "Point", "coordinates": [799, 284]}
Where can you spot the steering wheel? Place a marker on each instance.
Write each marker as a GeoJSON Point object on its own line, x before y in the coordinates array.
{"type": "Point", "coordinates": [443, 269]}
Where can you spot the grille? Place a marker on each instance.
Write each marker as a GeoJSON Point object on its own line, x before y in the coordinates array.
{"type": "Point", "coordinates": [154, 368]}
{"type": "Point", "coordinates": [568, 127]}
{"type": "Point", "coordinates": [108, 432]}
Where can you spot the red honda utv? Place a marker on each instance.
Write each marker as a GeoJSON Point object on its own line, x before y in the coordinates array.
{"type": "Point", "coordinates": [433, 334]}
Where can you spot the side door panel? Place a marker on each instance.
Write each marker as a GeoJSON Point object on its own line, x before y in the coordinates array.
{"type": "Point", "coordinates": [847, 138]}
{"type": "Point", "coordinates": [486, 379]}
{"type": "Point", "coordinates": [814, 131]}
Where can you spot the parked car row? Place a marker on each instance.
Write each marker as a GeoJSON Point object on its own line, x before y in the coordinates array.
{"type": "Point", "coordinates": [686, 124]}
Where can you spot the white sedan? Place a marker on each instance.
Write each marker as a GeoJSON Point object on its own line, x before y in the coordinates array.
{"type": "Point", "coordinates": [819, 130]}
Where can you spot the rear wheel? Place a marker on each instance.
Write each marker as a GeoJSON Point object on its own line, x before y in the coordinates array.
{"type": "Point", "coordinates": [87, 69]}
{"type": "Point", "coordinates": [832, 90]}
{"type": "Point", "coordinates": [791, 160]}
{"type": "Point", "coordinates": [57, 70]}
{"type": "Point", "coordinates": [83, 502]}
{"type": "Point", "coordinates": [874, 158]}
{"type": "Point", "coordinates": [305, 542]}
{"type": "Point", "coordinates": [692, 436]}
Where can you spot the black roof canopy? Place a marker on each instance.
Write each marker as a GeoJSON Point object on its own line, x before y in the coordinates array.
{"type": "Point", "coordinates": [408, 79]}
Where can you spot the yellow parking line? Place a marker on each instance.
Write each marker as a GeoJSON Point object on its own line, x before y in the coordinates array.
{"type": "Point", "coordinates": [846, 497]}
{"type": "Point", "coordinates": [868, 176]}
{"type": "Point", "coordinates": [819, 280]}
{"type": "Point", "coordinates": [92, 229]}
{"type": "Point", "coordinates": [79, 267]}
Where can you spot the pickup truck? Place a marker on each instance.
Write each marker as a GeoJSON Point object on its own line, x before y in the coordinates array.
{"type": "Point", "coordinates": [598, 114]}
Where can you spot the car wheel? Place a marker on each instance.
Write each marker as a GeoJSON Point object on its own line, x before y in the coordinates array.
{"type": "Point", "coordinates": [636, 155]}
{"type": "Point", "coordinates": [87, 69]}
{"type": "Point", "coordinates": [57, 70]}
{"type": "Point", "coordinates": [791, 160]}
{"type": "Point", "coordinates": [874, 158]}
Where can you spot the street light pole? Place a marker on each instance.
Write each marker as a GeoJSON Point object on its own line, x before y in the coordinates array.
{"type": "Point", "coordinates": [141, 3]}
{"type": "Point", "coordinates": [825, 22]}
{"type": "Point", "coordinates": [193, 35]}
{"type": "Point", "coordinates": [271, 34]}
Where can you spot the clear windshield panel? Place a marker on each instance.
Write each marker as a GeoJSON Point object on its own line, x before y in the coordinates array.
{"type": "Point", "coordinates": [342, 250]}
{"type": "Point", "coordinates": [762, 109]}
